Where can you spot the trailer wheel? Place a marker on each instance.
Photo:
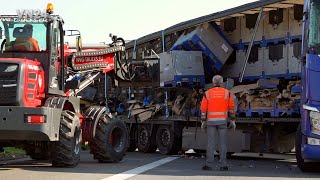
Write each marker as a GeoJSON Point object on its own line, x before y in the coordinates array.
{"type": "Point", "coordinates": [146, 140]}
{"type": "Point", "coordinates": [167, 140]}
{"type": "Point", "coordinates": [200, 151]}
{"type": "Point", "coordinates": [110, 141]}
{"type": "Point", "coordinates": [229, 155]}
{"type": "Point", "coordinates": [132, 146]}
{"type": "Point", "coordinates": [66, 152]}
{"type": "Point", "coordinates": [304, 166]}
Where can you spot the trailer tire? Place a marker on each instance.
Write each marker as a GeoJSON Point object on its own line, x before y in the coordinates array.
{"type": "Point", "coordinates": [200, 151]}
{"type": "Point", "coordinates": [146, 139]}
{"type": "Point", "coordinates": [167, 140]}
{"type": "Point", "coordinates": [132, 146]}
{"type": "Point", "coordinates": [66, 152]}
{"type": "Point", "coordinates": [304, 166]}
{"type": "Point", "coordinates": [110, 141]}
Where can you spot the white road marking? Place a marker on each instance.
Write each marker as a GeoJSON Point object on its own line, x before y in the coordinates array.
{"type": "Point", "coordinates": [141, 169]}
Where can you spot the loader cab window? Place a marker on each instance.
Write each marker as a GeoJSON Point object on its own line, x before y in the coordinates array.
{"type": "Point", "coordinates": [314, 33]}
{"type": "Point", "coordinates": [24, 36]}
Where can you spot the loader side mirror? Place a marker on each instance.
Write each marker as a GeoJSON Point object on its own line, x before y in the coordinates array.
{"type": "Point", "coordinates": [78, 43]}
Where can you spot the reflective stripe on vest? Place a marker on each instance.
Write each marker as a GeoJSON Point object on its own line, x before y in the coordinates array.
{"type": "Point", "coordinates": [217, 113]}
{"type": "Point", "coordinates": [217, 119]}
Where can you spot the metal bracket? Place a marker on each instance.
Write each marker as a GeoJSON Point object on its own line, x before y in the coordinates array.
{"type": "Point", "coordinates": [92, 59]}
{"type": "Point", "coordinates": [251, 44]}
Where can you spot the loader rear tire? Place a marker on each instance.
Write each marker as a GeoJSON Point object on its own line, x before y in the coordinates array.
{"type": "Point", "coordinates": [66, 152]}
{"type": "Point", "coordinates": [110, 141]}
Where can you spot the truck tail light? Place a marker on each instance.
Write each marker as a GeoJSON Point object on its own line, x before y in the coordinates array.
{"type": "Point", "coordinates": [35, 119]}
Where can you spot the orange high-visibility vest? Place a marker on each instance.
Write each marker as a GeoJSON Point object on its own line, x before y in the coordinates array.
{"type": "Point", "coordinates": [34, 43]}
{"type": "Point", "coordinates": [216, 104]}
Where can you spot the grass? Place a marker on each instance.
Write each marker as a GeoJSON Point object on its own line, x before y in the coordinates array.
{"type": "Point", "coordinates": [85, 146]}
{"type": "Point", "coordinates": [12, 151]}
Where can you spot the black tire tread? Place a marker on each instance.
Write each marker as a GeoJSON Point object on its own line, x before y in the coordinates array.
{"type": "Point", "coordinates": [132, 146]}
{"type": "Point", "coordinates": [151, 146]}
{"type": "Point", "coordinates": [175, 142]}
{"type": "Point", "coordinates": [35, 154]}
{"type": "Point", "coordinates": [63, 151]}
{"type": "Point", "coordinates": [100, 145]}
{"type": "Point", "coordinates": [304, 166]}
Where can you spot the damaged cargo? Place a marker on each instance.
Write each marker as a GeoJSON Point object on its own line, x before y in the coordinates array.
{"type": "Point", "coordinates": [159, 97]}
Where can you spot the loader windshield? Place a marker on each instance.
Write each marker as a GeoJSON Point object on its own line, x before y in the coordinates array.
{"type": "Point", "coordinates": [23, 36]}
{"type": "Point", "coordinates": [314, 33]}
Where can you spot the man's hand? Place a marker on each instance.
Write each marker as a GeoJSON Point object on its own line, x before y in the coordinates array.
{"type": "Point", "coordinates": [232, 125]}
{"type": "Point", "coordinates": [204, 126]}
{"type": "Point", "coordinates": [203, 117]}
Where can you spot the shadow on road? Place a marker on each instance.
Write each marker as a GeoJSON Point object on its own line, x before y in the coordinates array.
{"type": "Point", "coordinates": [190, 165]}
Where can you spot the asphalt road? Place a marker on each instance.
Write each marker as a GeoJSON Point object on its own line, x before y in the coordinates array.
{"type": "Point", "coordinates": [156, 166]}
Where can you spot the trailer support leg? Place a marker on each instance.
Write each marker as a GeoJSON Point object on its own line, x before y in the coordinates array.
{"type": "Point", "coordinates": [129, 98]}
{"type": "Point", "coordinates": [166, 104]}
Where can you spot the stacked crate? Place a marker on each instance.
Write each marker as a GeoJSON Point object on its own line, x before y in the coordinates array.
{"type": "Point", "coordinates": [275, 60]}
{"type": "Point", "coordinates": [248, 23]}
{"type": "Point", "coordinates": [294, 53]}
{"type": "Point", "coordinates": [181, 68]}
{"type": "Point", "coordinates": [254, 68]}
{"type": "Point", "coordinates": [276, 25]}
{"type": "Point", "coordinates": [231, 27]}
{"type": "Point", "coordinates": [295, 20]}
{"type": "Point", "coordinates": [209, 39]}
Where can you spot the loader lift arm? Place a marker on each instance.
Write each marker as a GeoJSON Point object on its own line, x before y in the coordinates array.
{"type": "Point", "coordinates": [90, 64]}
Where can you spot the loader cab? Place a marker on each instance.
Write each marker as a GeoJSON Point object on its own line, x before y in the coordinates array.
{"type": "Point", "coordinates": [42, 45]}
{"type": "Point", "coordinates": [21, 37]}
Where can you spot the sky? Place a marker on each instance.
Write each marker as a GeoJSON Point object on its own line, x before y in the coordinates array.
{"type": "Point", "coordinates": [129, 19]}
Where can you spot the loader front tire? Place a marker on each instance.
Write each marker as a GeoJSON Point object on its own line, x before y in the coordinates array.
{"type": "Point", "coordinates": [66, 152]}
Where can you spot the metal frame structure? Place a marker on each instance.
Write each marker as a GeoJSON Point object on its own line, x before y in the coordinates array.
{"type": "Point", "coordinates": [250, 8]}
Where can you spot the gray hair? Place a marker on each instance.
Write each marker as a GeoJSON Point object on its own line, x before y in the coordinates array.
{"type": "Point", "coordinates": [217, 80]}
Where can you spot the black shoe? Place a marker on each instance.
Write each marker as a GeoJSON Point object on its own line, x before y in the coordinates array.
{"type": "Point", "coordinates": [224, 168]}
{"type": "Point", "coordinates": [207, 168]}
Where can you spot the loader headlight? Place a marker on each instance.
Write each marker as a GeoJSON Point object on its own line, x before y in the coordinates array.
{"type": "Point", "coordinates": [315, 121]}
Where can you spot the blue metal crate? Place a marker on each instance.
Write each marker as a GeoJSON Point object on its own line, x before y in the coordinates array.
{"type": "Point", "coordinates": [196, 44]}
{"type": "Point", "coordinates": [256, 112]}
{"type": "Point", "coordinates": [196, 41]}
{"type": "Point", "coordinates": [296, 89]}
{"type": "Point", "coordinates": [188, 80]}
{"type": "Point", "coordinates": [273, 112]}
{"type": "Point", "coordinates": [266, 42]}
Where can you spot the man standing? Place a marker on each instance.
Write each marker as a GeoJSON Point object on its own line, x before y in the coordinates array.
{"type": "Point", "coordinates": [216, 106]}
